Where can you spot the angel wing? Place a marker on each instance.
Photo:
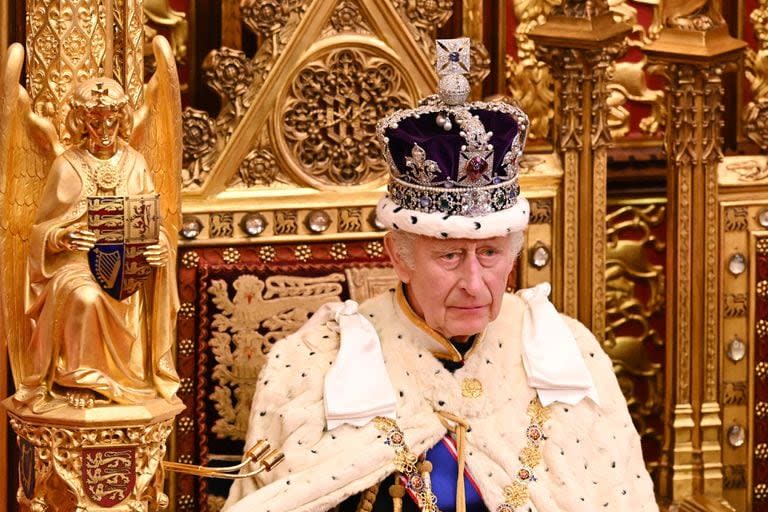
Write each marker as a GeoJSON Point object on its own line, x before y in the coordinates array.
{"type": "Point", "coordinates": [28, 146]}
{"type": "Point", "coordinates": [157, 135]}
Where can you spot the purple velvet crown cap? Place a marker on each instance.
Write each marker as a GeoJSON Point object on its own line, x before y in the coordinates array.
{"type": "Point", "coordinates": [444, 147]}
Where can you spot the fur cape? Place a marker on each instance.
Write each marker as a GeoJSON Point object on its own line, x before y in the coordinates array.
{"type": "Point", "coordinates": [592, 458]}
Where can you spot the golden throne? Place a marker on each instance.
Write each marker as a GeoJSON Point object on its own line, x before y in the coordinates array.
{"type": "Point", "coordinates": [282, 173]}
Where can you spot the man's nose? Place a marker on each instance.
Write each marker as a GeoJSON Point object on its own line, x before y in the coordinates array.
{"type": "Point", "coordinates": [471, 278]}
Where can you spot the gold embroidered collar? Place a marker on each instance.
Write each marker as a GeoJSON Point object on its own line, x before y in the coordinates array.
{"type": "Point", "coordinates": [442, 348]}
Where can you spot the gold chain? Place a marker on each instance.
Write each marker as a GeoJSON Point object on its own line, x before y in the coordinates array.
{"type": "Point", "coordinates": [416, 473]}
{"type": "Point", "coordinates": [517, 493]}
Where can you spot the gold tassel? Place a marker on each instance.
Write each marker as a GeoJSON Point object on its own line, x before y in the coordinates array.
{"type": "Point", "coordinates": [397, 491]}
{"type": "Point", "coordinates": [368, 499]}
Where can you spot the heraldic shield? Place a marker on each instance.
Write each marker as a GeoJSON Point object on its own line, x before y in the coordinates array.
{"type": "Point", "coordinates": [124, 227]}
{"type": "Point", "coordinates": [109, 474]}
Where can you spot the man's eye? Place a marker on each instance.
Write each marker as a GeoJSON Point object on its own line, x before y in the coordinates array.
{"type": "Point", "coordinates": [450, 256]}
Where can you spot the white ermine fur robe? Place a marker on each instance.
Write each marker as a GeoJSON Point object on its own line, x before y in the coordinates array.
{"type": "Point", "coordinates": [592, 459]}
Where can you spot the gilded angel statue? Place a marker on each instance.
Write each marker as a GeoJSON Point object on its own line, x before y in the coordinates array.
{"type": "Point", "coordinates": [88, 238]}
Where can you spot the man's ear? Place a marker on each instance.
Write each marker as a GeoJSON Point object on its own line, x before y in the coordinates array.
{"type": "Point", "coordinates": [402, 270]}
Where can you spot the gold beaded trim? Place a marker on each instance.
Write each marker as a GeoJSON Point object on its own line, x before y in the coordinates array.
{"type": "Point", "coordinates": [407, 463]}
{"type": "Point", "coordinates": [517, 494]}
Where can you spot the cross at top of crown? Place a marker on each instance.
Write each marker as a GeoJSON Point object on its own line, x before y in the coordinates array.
{"type": "Point", "coordinates": [452, 56]}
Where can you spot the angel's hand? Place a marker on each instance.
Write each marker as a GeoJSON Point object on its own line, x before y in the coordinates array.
{"type": "Point", "coordinates": [76, 238]}
{"type": "Point", "coordinates": [157, 255]}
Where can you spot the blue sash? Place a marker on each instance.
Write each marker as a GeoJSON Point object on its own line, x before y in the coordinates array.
{"type": "Point", "coordinates": [445, 469]}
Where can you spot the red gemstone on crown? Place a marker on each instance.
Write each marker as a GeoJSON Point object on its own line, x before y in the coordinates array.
{"type": "Point", "coordinates": [475, 168]}
{"type": "Point", "coordinates": [524, 474]}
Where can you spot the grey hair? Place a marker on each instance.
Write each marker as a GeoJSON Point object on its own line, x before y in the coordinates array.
{"type": "Point", "coordinates": [403, 242]}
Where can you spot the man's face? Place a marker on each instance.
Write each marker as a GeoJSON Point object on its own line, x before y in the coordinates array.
{"type": "Point", "coordinates": [456, 286]}
{"type": "Point", "coordinates": [103, 126]}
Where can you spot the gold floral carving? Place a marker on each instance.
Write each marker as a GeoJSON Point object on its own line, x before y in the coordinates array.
{"type": "Point", "coordinates": [228, 72]}
{"type": "Point", "coordinates": [425, 18]}
{"type": "Point", "coordinates": [711, 155]}
{"type": "Point", "coordinates": [628, 81]}
{"type": "Point", "coordinates": [528, 79]}
{"type": "Point", "coordinates": [128, 48]}
{"type": "Point", "coordinates": [629, 314]}
{"type": "Point", "coordinates": [347, 18]}
{"type": "Point", "coordinates": [756, 69]}
{"type": "Point", "coordinates": [570, 236]}
{"type": "Point", "coordinates": [237, 79]}
{"type": "Point", "coordinates": [267, 253]}
{"type": "Point", "coordinates": [199, 133]}
{"type": "Point", "coordinates": [480, 63]}
{"type": "Point", "coordinates": [680, 145]}
{"type": "Point", "coordinates": [329, 118]}
{"type": "Point", "coordinates": [258, 169]}
{"type": "Point", "coordinates": [265, 17]}
{"type": "Point", "coordinates": [245, 326]}
{"type": "Point", "coordinates": [66, 42]}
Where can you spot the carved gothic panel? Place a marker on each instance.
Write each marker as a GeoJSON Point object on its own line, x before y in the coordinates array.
{"type": "Point", "coordinates": [328, 117]}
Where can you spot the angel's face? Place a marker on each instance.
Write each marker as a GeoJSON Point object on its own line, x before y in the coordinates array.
{"type": "Point", "coordinates": [103, 126]}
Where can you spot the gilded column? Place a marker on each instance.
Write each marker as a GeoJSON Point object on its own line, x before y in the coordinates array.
{"type": "Point", "coordinates": [579, 41]}
{"type": "Point", "coordinates": [66, 44]}
{"type": "Point", "coordinates": [69, 41]}
{"type": "Point", "coordinates": [3, 28]}
{"type": "Point", "coordinates": [695, 49]}
{"type": "Point", "coordinates": [127, 37]}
